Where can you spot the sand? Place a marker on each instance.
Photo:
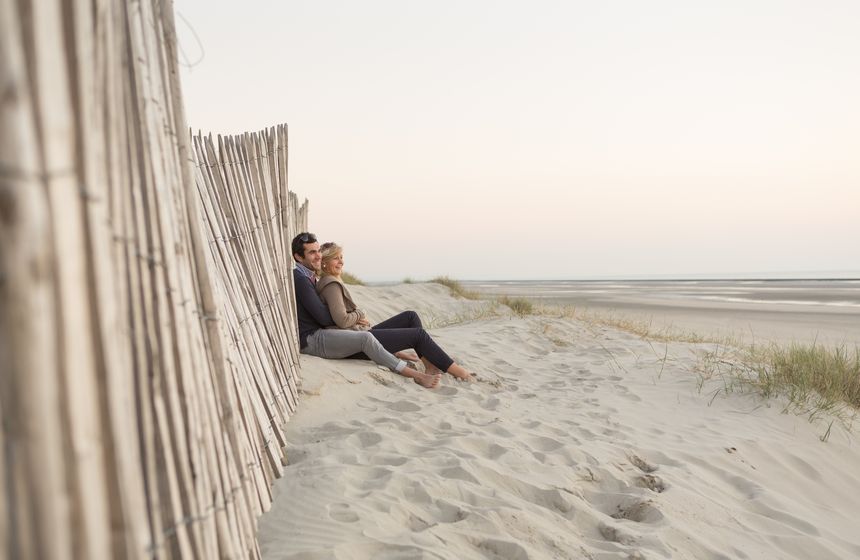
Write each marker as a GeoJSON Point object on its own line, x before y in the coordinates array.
{"type": "Point", "coordinates": [578, 442]}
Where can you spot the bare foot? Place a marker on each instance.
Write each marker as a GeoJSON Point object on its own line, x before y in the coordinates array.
{"type": "Point", "coordinates": [430, 381]}
{"type": "Point", "coordinates": [460, 373]}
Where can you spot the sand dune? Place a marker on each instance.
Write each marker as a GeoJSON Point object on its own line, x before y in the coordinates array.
{"type": "Point", "coordinates": [578, 442]}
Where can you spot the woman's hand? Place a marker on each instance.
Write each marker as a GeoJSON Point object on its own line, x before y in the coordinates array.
{"type": "Point", "coordinates": [363, 322]}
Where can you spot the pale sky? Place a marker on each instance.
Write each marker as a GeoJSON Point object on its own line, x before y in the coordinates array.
{"type": "Point", "coordinates": [557, 140]}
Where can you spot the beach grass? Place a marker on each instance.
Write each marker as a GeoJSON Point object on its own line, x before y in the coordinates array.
{"type": "Point", "coordinates": [644, 329]}
{"type": "Point", "coordinates": [814, 378]}
{"type": "Point", "coordinates": [455, 287]}
{"type": "Point", "coordinates": [480, 312]}
{"type": "Point", "coordinates": [351, 279]}
{"type": "Point", "coordinates": [518, 305]}
{"type": "Point", "coordinates": [810, 375]}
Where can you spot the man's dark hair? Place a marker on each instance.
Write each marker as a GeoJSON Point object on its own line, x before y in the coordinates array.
{"type": "Point", "coordinates": [299, 243]}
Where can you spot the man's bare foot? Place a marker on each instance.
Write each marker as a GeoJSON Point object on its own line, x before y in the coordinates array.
{"type": "Point", "coordinates": [407, 355]}
{"type": "Point", "coordinates": [460, 373]}
{"type": "Point", "coordinates": [428, 380]}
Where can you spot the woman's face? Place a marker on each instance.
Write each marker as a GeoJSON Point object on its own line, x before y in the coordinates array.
{"type": "Point", "coordinates": [334, 265]}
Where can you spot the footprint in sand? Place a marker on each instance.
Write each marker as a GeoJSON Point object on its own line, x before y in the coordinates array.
{"type": "Point", "coordinates": [651, 482]}
{"type": "Point", "coordinates": [490, 404]}
{"type": "Point", "coordinates": [449, 513]}
{"type": "Point", "coordinates": [380, 378]}
{"type": "Point", "coordinates": [368, 439]}
{"type": "Point", "coordinates": [458, 473]}
{"type": "Point", "coordinates": [642, 464]}
{"type": "Point", "coordinates": [558, 384]}
{"type": "Point", "coordinates": [342, 513]}
{"type": "Point", "coordinates": [389, 460]}
{"type": "Point", "coordinates": [544, 444]}
{"type": "Point", "coordinates": [502, 549]}
{"type": "Point", "coordinates": [616, 534]}
{"type": "Point", "coordinates": [638, 511]}
{"type": "Point", "coordinates": [403, 406]}
{"type": "Point", "coordinates": [482, 447]}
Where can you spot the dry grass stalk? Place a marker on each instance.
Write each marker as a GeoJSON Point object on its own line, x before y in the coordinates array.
{"type": "Point", "coordinates": [456, 287]}
{"type": "Point", "coordinates": [351, 279]}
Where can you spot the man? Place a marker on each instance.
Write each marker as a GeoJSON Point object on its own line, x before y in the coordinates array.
{"type": "Point", "coordinates": [313, 316]}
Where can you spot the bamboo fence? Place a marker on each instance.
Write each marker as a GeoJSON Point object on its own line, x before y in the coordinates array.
{"type": "Point", "coordinates": [148, 348]}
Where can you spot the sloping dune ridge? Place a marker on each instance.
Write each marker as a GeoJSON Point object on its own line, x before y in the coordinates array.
{"type": "Point", "coordinates": [578, 441]}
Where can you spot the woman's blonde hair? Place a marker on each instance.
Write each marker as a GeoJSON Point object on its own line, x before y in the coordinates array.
{"type": "Point", "coordinates": [329, 250]}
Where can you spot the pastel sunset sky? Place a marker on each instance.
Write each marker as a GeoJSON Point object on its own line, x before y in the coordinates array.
{"type": "Point", "coordinates": [550, 139]}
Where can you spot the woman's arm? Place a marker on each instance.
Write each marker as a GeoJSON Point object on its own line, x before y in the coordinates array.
{"type": "Point", "coordinates": [333, 296]}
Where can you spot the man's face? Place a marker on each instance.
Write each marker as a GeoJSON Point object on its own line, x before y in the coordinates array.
{"type": "Point", "coordinates": [312, 258]}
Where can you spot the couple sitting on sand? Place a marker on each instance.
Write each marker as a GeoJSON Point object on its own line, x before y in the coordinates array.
{"type": "Point", "coordinates": [332, 326]}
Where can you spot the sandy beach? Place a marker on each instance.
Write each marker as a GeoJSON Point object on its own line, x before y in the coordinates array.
{"type": "Point", "coordinates": [578, 441]}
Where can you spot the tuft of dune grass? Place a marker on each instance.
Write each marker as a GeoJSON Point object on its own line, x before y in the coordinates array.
{"type": "Point", "coordinates": [351, 279]}
{"type": "Point", "coordinates": [814, 378]}
{"type": "Point", "coordinates": [825, 376]}
{"type": "Point", "coordinates": [518, 305]}
{"type": "Point", "coordinates": [643, 329]}
{"type": "Point", "coordinates": [456, 287]}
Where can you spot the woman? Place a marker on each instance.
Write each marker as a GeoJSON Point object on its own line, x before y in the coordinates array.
{"type": "Point", "coordinates": [395, 334]}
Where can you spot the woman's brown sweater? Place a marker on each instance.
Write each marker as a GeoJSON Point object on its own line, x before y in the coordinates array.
{"type": "Point", "coordinates": [343, 309]}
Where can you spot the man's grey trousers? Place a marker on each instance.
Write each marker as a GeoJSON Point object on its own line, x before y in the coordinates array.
{"type": "Point", "coordinates": [336, 344]}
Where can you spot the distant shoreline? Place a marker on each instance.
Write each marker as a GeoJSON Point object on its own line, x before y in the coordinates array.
{"type": "Point", "coordinates": [777, 310]}
{"type": "Point", "coordinates": [854, 278]}
{"type": "Point", "coordinates": [653, 280]}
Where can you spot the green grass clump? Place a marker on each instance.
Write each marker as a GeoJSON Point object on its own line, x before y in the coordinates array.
{"type": "Point", "coordinates": [814, 379]}
{"type": "Point", "coordinates": [351, 279]}
{"type": "Point", "coordinates": [455, 287]}
{"type": "Point", "coordinates": [807, 373]}
{"type": "Point", "coordinates": [518, 305]}
{"type": "Point", "coordinates": [408, 280]}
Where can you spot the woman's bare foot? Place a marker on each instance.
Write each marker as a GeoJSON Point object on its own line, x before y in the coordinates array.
{"type": "Point", "coordinates": [460, 373]}
{"type": "Point", "coordinates": [428, 380]}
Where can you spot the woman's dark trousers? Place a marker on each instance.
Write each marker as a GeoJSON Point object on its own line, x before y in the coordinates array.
{"type": "Point", "coordinates": [406, 331]}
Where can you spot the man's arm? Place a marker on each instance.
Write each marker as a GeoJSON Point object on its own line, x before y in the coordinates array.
{"type": "Point", "coordinates": [307, 297]}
